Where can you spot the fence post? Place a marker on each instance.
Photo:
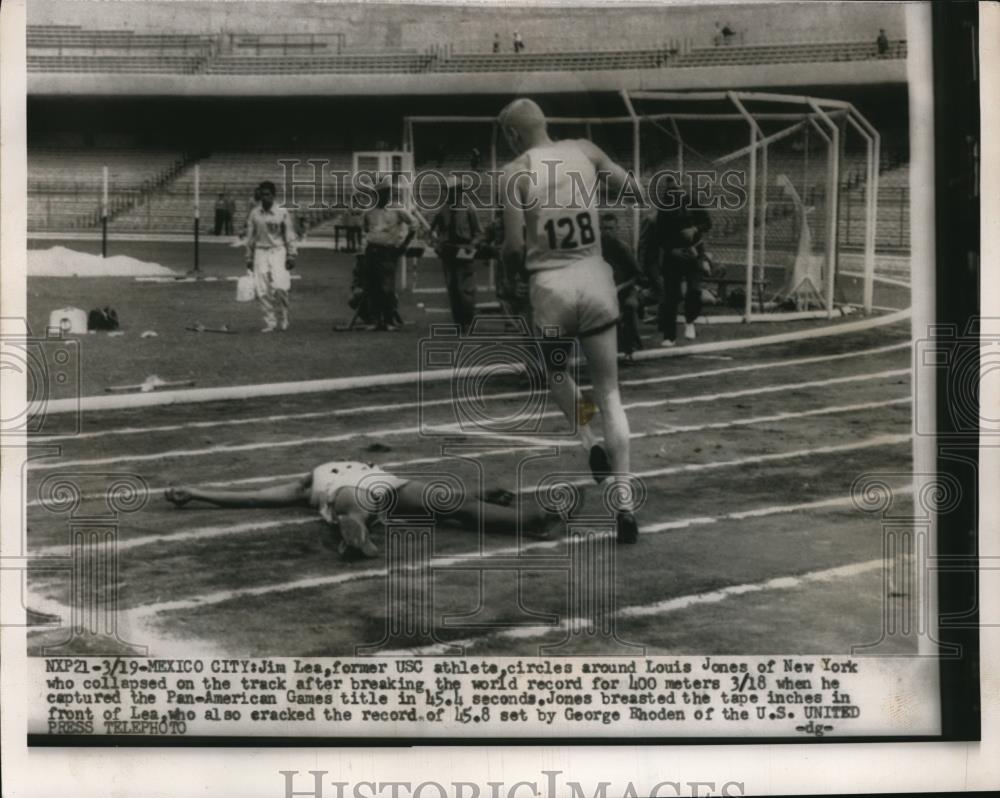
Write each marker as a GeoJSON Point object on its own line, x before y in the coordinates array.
{"type": "Point", "coordinates": [848, 204]}
{"type": "Point", "coordinates": [902, 208]}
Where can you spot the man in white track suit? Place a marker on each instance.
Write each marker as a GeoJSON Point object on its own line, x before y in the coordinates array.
{"type": "Point", "coordinates": [271, 254]}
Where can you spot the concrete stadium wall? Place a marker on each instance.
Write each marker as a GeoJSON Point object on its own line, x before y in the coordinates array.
{"type": "Point", "coordinates": [470, 28]}
{"type": "Point", "coordinates": [502, 83]}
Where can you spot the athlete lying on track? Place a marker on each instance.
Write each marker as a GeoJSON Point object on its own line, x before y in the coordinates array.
{"type": "Point", "coordinates": [345, 493]}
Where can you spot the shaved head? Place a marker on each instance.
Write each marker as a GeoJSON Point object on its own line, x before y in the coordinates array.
{"type": "Point", "coordinates": [522, 114]}
{"type": "Point", "coordinates": [522, 122]}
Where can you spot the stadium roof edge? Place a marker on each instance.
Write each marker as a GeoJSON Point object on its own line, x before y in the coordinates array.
{"type": "Point", "coordinates": [761, 77]}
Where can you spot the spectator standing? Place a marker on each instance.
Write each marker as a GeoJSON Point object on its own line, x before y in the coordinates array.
{"type": "Point", "coordinates": [674, 252]}
{"type": "Point", "coordinates": [230, 214]}
{"type": "Point", "coordinates": [271, 255]}
{"type": "Point", "coordinates": [220, 213]}
{"type": "Point", "coordinates": [496, 42]}
{"type": "Point", "coordinates": [518, 42]}
{"type": "Point", "coordinates": [882, 43]}
{"type": "Point", "coordinates": [457, 233]}
{"type": "Point", "coordinates": [627, 277]}
{"type": "Point", "coordinates": [388, 231]}
{"type": "Point", "coordinates": [475, 159]}
{"type": "Point", "coordinates": [728, 34]}
{"type": "Point", "coordinates": [353, 220]}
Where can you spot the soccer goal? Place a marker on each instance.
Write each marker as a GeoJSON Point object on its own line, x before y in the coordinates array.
{"type": "Point", "coordinates": [771, 169]}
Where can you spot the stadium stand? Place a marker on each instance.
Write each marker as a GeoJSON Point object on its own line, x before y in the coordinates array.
{"type": "Point", "coordinates": [73, 49]}
{"type": "Point", "coordinates": [360, 63]}
{"type": "Point", "coordinates": [130, 64]}
{"type": "Point", "coordinates": [234, 172]}
{"type": "Point", "coordinates": [832, 52]}
{"type": "Point", "coordinates": [64, 183]}
{"type": "Point", "coordinates": [73, 38]}
{"type": "Point", "coordinates": [556, 62]}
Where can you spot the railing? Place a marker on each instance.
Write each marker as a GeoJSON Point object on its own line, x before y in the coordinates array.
{"type": "Point", "coordinates": [282, 43]}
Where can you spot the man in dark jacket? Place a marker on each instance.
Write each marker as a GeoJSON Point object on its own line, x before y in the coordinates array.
{"type": "Point", "coordinates": [457, 233]}
{"type": "Point", "coordinates": [627, 280]}
{"type": "Point", "coordinates": [674, 252]}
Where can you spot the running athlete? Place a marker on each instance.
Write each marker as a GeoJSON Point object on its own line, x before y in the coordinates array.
{"type": "Point", "coordinates": [551, 229]}
{"type": "Point", "coordinates": [345, 493]}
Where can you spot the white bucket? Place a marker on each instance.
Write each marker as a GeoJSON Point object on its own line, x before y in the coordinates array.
{"type": "Point", "coordinates": [67, 321]}
{"type": "Point", "coordinates": [244, 288]}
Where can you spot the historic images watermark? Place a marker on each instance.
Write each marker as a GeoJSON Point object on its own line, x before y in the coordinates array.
{"type": "Point", "coordinates": [491, 190]}
{"type": "Point", "coordinates": [548, 784]}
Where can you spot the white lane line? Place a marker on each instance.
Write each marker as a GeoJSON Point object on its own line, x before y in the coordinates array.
{"type": "Point", "coordinates": [878, 278]}
{"type": "Point", "coordinates": [346, 436]}
{"type": "Point", "coordinates": [226, 393]}
{"type": "Point", "coordinates": [877, 441]}
{"type": "Point", "coordinates": [659, 608]}
{"type": "Point", "coordinates": [793, 386]}
{"type": "Point", "coordinates": [778, 583]}
{"type": "Point", "coordinates": [801, 361]}
{"type": "Point", "coordinates": [383, 407]}
{"type": "Point", "coordinates": [158, 280]}
{"type": "Point", "coordinates": [335, 579]}
{"type": "Point", "coordinates": [661, 431]}
{"type": "Point", "coordinates": [201, 533]}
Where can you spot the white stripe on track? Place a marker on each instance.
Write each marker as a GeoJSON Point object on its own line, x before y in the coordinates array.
{"type": "Point", "coordinates": [542, 442]}
{"type": "Point", "coordinates": [793, 386]}
{"type": "Point", "coordinates": [659, 608]}
{"type": "Point", "coordinates": [879, 278]}
{"type": "Point", "coordinates": [877, 441]}
{"type": "Point", "coordinates": [351, 576]}
{"type": "Point", "coordinates": [226, 393]}
{"type": "Point", "coordinates": [201, 533]}
{"type": "Point", "coordinates": [373, 408]}
{"type": "Point", "coordinates": [346, 436]}
{"type": "Point", "coordinates": [778, 583]}
{"type": "Point", "coordinates": [800, 361]}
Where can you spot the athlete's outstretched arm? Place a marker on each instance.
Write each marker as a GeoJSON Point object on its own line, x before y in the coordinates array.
{"type": "Point", "coordinates": [617, 177]}
{"type": "Point", "coordinates": [288, 494]}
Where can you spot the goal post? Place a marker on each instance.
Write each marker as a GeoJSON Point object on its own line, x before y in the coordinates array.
{"type": "Point", "coordinates": [800, 156]}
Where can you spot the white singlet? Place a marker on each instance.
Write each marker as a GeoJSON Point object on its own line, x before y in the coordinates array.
{"type": "Point", "coordinates": [330, 478]}
{"type": "Point", "coordinates": [561, 215]}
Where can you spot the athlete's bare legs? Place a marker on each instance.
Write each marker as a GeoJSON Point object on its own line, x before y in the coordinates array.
{"type": "Point", "coordinates": [602, 359]}
{"type": "Point", "coordinates": [568, 396]}
{"type": "Point", "coordinates": [601, 350]}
